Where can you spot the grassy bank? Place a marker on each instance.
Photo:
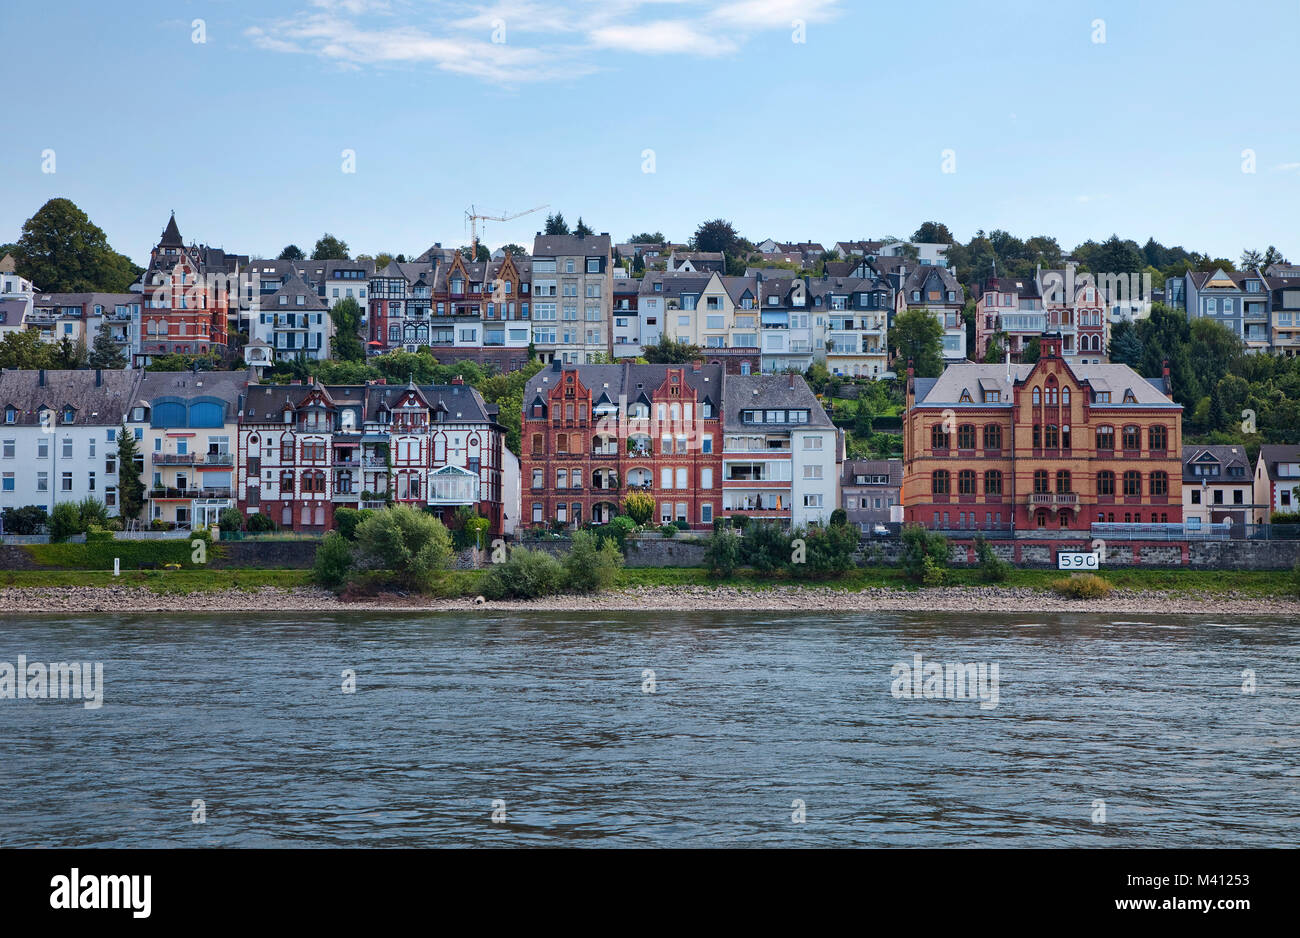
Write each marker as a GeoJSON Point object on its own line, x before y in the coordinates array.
{"type": "Point", "coordinates": [463, 583]}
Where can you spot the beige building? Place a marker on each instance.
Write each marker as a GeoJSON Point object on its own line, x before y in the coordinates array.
{"type": "Point", "coordinates": [572, 297]}
{"type": "Point", "coordinates": [1217, 486]}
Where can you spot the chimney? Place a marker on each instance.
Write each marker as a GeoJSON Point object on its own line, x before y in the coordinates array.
{"type": "Point", "coordinates": [41, 381]}
{"type": "Point", "coordinates": [1007, 350]}
{"type": "Point", "coordinates": [459, 379]}
{"type": "Point", "coordinates": [791, 377]}
{"type": "Point", "coordinates": [99, 377]}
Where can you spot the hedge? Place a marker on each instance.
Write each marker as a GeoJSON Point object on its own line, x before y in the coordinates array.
{"type": "Point", "coordinates": [99, 556]}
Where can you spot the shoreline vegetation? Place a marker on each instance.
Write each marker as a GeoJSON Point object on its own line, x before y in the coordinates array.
{"type": "Point", "coordinates": [666, 589]}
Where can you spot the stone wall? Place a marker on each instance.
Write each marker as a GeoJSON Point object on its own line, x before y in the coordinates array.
{"type": "Point", "coordinates": [665, 552]}
{"type": "Point", "coordinates": [268, 555]}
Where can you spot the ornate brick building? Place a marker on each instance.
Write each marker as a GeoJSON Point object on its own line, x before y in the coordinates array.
{"type": "Point", "coordinates": [1043, 446]}
{"type": "Point", "coordinates": [593, 433]}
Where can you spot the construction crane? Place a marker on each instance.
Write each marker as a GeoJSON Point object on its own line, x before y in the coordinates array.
{"type": "Point", "coordinates": [474, 218]}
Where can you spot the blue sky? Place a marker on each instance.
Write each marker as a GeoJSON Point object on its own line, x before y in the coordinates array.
{"type": "Point", "coordinates": [839, 136]}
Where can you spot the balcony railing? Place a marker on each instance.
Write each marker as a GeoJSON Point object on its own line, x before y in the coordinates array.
{"type": "Point", "coordinates": [1054, 498]}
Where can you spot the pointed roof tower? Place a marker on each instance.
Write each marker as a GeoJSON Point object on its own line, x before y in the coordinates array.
{"type": "Point", "coordinates": [171, 236]}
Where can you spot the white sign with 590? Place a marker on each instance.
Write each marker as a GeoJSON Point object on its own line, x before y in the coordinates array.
{"type": "Point", "coordinates": [1067, 560]}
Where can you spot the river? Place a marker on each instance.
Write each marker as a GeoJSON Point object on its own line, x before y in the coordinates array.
{"type": "Point", "coordinates": [759, 729]}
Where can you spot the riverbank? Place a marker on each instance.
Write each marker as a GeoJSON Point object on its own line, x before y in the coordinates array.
{"type": "Point", "coordinates": [679, 598]}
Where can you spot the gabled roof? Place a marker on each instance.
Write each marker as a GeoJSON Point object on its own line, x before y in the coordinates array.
{"type": "Point", "coordinates": [96, 404]}
{"type": "Point", "coordinates": [947, 389]}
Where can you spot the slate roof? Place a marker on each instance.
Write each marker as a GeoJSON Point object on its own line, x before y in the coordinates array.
{"type": "Point", "coordinates": [1270, 454]}
{"type": "Point", "coordinates": [594, 245]}
{"type": "Point", "coordinates": [945, 391]}
{"type": "Point", "coordinates": [102, 404]}
{"type": "Point", "coordinates": [873, 467]}
{"type": "Point", "coordinates": [226, 385]}
{"type": "Point", "coordinates": [770, 392]}
{"type": "Point", "coordinates": [1226, 455]}
{"type": "Point", "coordinates": [629, 379]}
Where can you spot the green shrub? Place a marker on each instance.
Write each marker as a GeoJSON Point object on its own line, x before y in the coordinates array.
{"type": "Point", "coordinates": [681, 525]}
{"type": "Point", "coordinates": [722, 556]}
{"type": "Point", "coordinates": [92, 512]}
{"type": "Point", "coordinates": [739, 521]}
{"type": "Point", "coordinates": [765, 547]}
{"type": "Point", "coordinates": [259, 523]}
{"type": "Point", "coordinates": [919, 546]}
{"type": "Point", "coordinates": [26, 520]}
{"type": "Point", "coordinates": [932, 572]}
{"type": "Point", "coordinates": [839, 517]}
{"type": "Point", "coordinates": [231, 519]}
{"type": "Point", "coordinates": [1295, 578]}
{"type": "Point", "coordinates": [347, 519]}
{"type": "Point", "coordinates": [526, 574]}
{"type": "Point", "coordinates": [333, 561]}
{"type": "Point", "coordinates": [99, 555]}
{"type": "Point", "coordinates": [412, 546]}
{"type": "Point", "coordinates": [993, 569]}
{"type": "Point", "coordinates": [618, 529]}
{"type": "Point", "coordinates": [827, 551]}
{"type": "Point", "coordinates": [1083, 586]}
{"type": "Point", "coordinates": [65, 521]}
{"type": "Point", "coordinates": [639, 506]}
{"type": "Point", "coordinates": [590, 565]}
{"type": "Point", "coordinates": [668, 530]}
{"type": "Point", "coordinates": [1285, 517]}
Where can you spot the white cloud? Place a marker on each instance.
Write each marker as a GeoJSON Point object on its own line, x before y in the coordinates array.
{"type": "Point", "coordinates": [544, 41]}
{"type": "Point", "coordinates": [1286, 167]}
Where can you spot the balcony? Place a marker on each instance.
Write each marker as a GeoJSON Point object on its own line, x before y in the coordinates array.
{"type": "Point", "coordinates": [172, 459]}
{"type": "Point", "coordinates": [1054, 498]}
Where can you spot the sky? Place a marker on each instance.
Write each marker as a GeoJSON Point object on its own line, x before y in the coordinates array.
{"type": "Point", "coordinates": [383, 121]}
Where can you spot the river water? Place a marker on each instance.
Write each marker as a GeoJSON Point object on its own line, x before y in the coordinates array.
{"type": "Point", "coordinates": [768, 729]}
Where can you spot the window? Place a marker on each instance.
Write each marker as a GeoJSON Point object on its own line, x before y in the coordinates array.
{"type": "Point", "coordinates": [1158, 437]}
{"type": "Point", "coordinates": [1037, 397]}
{"type": "Point", "coordinates": [812, 472]}
{"type": "Point", "coordinates": [1160, 483]}
{"type": "Point", "coordinates": [666, 477]}
{"type": "Point", "coordinates": [939, 482]}
{"type": "Point", "coordinates": [812, 442]}
{"type": "Point", "coordinates": [993, 482]}
{"type": "Point", "coordinates": [1062, 481]}
{"type": "Point", "coordinates": [1052, 438]}
{"type": "Point", "coordinates": [1132, 483]}
{"type": "Point", "coordinates": [1106, 483]}
{"type": "Point", "coordinates": [966, 436]}
{"type": "Point", "coordinates": [992, 436]}
{"type": "Point", "coordinates": [1040, 482]}
{"type": "Point", "coordinates": [1106, 438]}
{"type": "Point", "coordinates": [966, 482]}
{"type": "Point", "coordinates": [938, 437]}
{"type": "Point", "coordinates": [1132, 438]}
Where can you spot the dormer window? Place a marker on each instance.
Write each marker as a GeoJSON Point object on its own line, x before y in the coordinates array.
{"type": "Point", "coordinates": [11, 415]}
{"type": "Point", "coordinates": [284, 301]}
{"type": "Point", "coordinates": [69, 415]}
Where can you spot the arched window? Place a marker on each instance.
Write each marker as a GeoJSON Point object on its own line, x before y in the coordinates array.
{"type": "Point", "coordinates": [1159, 483]}
{"type": "Point", "coordinates": [938, 437]}
{"type": "Point", "coordinates": [966, 482]}
{"type": "Point", "coordinates": [1065, 397]}
{"type": "Point", "coordinates": [1132, 437]}
{"type": "Point", "coordinates": [1040, 481]}
{"type": "Point", "coordinates": [1052, 438]}
{"type": "Point", "coordinates": [1159, 437]}
{"type": "Point", "coordinates": [1106, 438]}
{"type": "Point", "coordinates": [939, 484]}
{"type": "Point", "coordinates": [992, 436]}
{"type": "Point", "coordinates": [1106, 483]}
{"type": "Point", "coordinates": [1062, 481]}
{"type": "Point", "coordinates": [286, 449]}
{"type": "Point", "coordinates": [1132, 483]}
{"type": "Point", "coordinates": [993, 482]}
{"type": "Point", "coordinates": [1038, 397]}
{"type": "Point", "coordinates": [1051, 394]}
{"type": "Point", "coordinates": [966, 436]}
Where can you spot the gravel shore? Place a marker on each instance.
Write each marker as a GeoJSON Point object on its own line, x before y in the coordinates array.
{"type": "Point", "coordinates": [112, 599]}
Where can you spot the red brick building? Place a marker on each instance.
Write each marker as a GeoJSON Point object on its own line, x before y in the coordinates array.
{"type": "Point", "coordinates": [594, 433]}
{"type": "Point", "coordinates": [1044, 446]}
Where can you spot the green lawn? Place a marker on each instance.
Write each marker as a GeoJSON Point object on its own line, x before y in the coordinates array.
{"type": "Point", "coordinates": [462, 583]}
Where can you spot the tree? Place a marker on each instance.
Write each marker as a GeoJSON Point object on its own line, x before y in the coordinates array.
{"type": "Point", "coordinates": [68, 355]}
{"type": "Point", "coordinates": [639, 506]}
{"type": "Point", "coordinates": [717, 235]}
{"type": "Point", "coordinates": [345, 345]}
{"type": "Point", "coordinates": [1251, 260]}
{"type": "Point", "coordinates": [104, 353]}
{"type": "Point", "coordinates": [333, 561]}
{"type": "Point", "coordinates": [1271, 256]}
{"type": "Point", "coordinates": [382, 260]}
{"type": "Point", "coordinates": [62, 251]}
{"type": "Point", "coordinates": [582, 230]}
{"type": "Point", "coordinates": [933, 232]}
{"type": "Point", "coordinates": [671, 351]}
{"type": "Point", "coordinates": [291, 252]}
{"type": "Point", "coordinates": [1031, 350]}
{"type": "Point", "coordinates": [997, 349]}
{"type": "Point", "coordinates": [591, 566]}
{"type": "Point", "coordinates": [65, 521]}
{"type": "Point", "coordinates": [330, 248]}
{"type": "Point", "coordinates": [1125, 346]}
{"type": "Point", "coordinates": [130, 489]}
{"type": "Point", "coordinates": [24, 349]}
{"type": "Point", "coordinates": [556, 225]}
{"type": "Point", "coordinates": [402, 546]}
{"type": "Point", "coordinates": [917, 338]}
{"type": "Point", "coordinates": [648, 237]}
{"type": "Point", "coordinates": [514, 250]}
{"type": "Point", "coordinates": [482, 256]}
